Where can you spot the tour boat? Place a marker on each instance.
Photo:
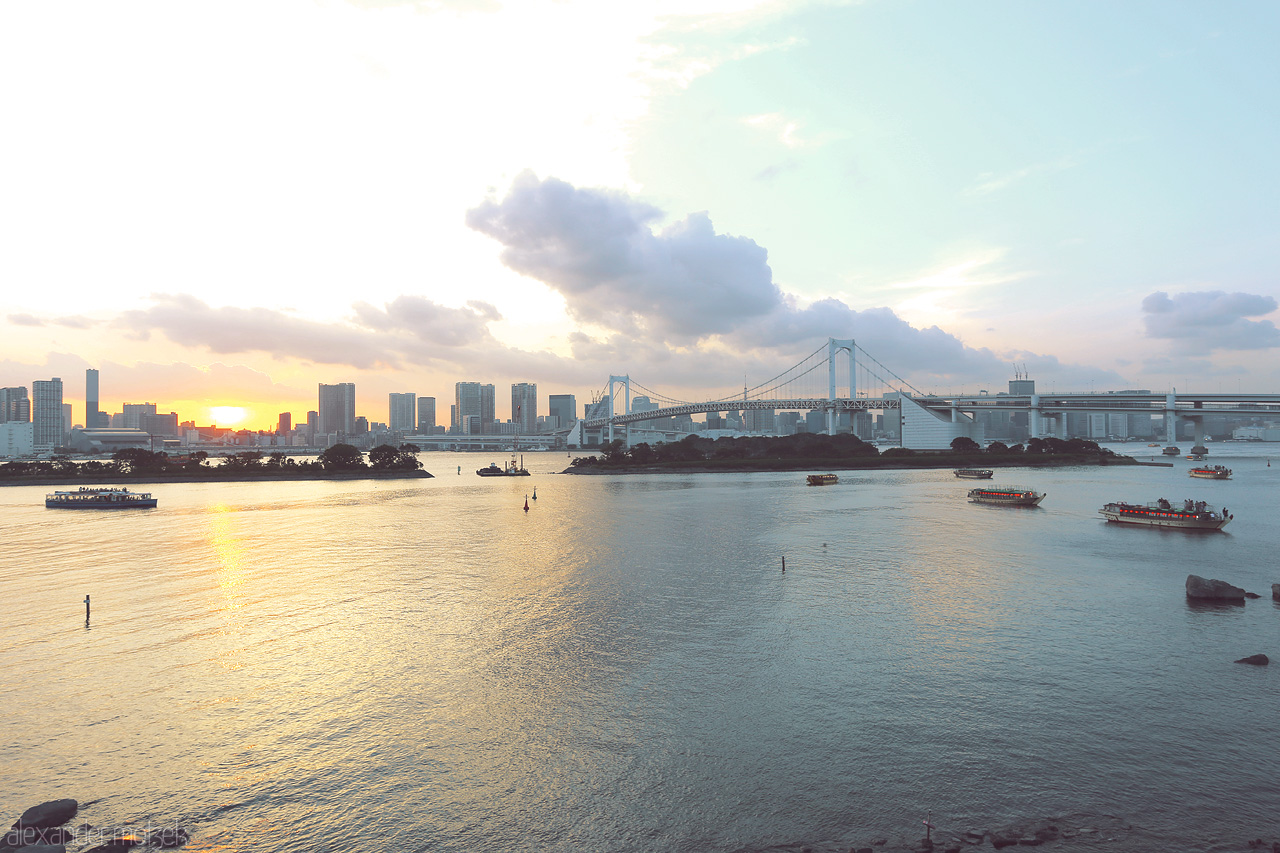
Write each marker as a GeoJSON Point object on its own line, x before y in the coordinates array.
{"type": "Point", "coordinates": [1191, 515]}
{"type": "Point", "coordinates": [822, 479]}
{"type": "Point", "coordinates": [87, 498]}
{"type": "Point", "coordinates": [974, 473]}
{"type": "Point", "coordinates": [1006, 496]}
{"type": "Point", "coordinates": [1211, 472]}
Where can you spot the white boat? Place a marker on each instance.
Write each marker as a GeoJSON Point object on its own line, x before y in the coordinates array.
{"type": "Point", "coordinates": [1006, 496]}
{"type": "Point", "coordinates": [87, 498]}
{"type": "Point", "coordinates": [1211, 472]}
{"type": "Point", "coordinates": [1191, 515]}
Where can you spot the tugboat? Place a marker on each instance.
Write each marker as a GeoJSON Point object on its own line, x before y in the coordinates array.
{"type": "Point", "coordinates": [511, 470]}
{"type": "Point", "coordinates": [1171, 450]}
{"type": "Point", "coordinates": [87, 498]}
{"type": "Point", "coordinates": [1007, 496]}
{"type": "Point", "coordinates": [1192, 515]}
{"type": "Point", "coordinates": [974, 473]}
{"type": "Point", "coordinates": [1211, 472]}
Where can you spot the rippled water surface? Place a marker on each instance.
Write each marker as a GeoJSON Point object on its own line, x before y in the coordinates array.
{"type": "Point", "coordinates": [359, 665]}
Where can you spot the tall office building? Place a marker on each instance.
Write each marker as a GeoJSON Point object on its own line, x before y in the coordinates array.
{"type": "Point", "coordinates": [285, 423]}
{"type": "Point", "coordinates": [466, 405]}
{"type": "Point", "coordinates": [426, 415]}
{"type": "Point", "coordinates": [15, 405]}
{"type": "Point", "coordinates": [337, 410]}
{"type": "Point", "coordinates": [524, 407]}
{"type": "Point", "coordinates": [91, 399]}
{"type": "Point", "coordinates": [133, 413]}
{"type": "Point", "coordinates": [46, 413]}
{"type": "Point", "coordinates": [402, 415]}
{"type": "Point", "coordinates": [564, 408]}
{"type": "Point", "coordinates": [488, 410]}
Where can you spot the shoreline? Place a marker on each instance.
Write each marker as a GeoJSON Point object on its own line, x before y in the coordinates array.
{"type": "Point", "coordinates": [237, 477]}
{"type": "Point", "coordinates": [738, 466]}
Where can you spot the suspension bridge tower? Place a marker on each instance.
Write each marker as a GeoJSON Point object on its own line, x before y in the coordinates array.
{"type": "Point", "coordinates": [834, 348]}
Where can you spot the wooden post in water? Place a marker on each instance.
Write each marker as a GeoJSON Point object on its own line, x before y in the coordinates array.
{"type": "Point", "coordinates": [784, 565]}
{"type": "Point", "coordinates": [86, 608]}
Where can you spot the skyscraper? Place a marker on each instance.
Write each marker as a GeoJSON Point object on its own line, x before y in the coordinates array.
{"type": "Point", "coordinates": [563, 407]}
{"type": "Point", "coordinates": [285, 423]}
{"type": "Point", "coordinates": [46, 413]}
{"type": "Point", "coordinates": [15, 405]}
{"type": "Point", "coordinates": [401, 416]}
{"type": "Point", "coordinates": [466, 405]}
{"type": "Point", "coordinates": [426, 415]}
{"type": "Point", "coordinates": [91, 399]}
{"type": "Point", "coordinates": [488, 409]}
{"type": "Point", "coordinates": [337, 410]}
{"type": "Point", "coordinates": [524, 406]}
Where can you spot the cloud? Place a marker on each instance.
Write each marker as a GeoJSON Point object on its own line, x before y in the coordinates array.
{"type": "Point", "coordinates": [25, 320]}
{"type": "Point", "coordinates": [1211, 320]}
{"type": "Point", "coordinates": [75, 322]}
{"type": "Point", "coordinates": [685, 294]}
{"type": "Point", "coordinates": [597, 249]}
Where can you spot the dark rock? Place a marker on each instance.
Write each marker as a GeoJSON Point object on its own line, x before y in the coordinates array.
{"type": "Point", "coordinates": [1256, 660]}
{"type": "Point", "coordinates": [1212, 590]}
{"type": "Point", "coordinates": [974, 837]}
{"type": "Point", "coordinates": [52, 813]}
{"type": "Point", "coordinates": [951, 848]}
{"type": "Point", "coordinates": [1252, 595]}
{"type": "Point", "coordinates": [1275, 593]}
{"type": "Point", "coordinates": [115, 845]}
{"type": "Point", "coordinates": [999, 840]}
{"type": "Point", "coordinates": [1030, 841]}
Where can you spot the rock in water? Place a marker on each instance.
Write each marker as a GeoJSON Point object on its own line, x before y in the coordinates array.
{"type": "Point", "coordinates": [52, 813]}
{"type": "Point", "coordinates": [1275, 591]}
{"type": "Point", "coordinates": [1256, 660]}
{"type": "Point", "coordinates": [1212, 590]}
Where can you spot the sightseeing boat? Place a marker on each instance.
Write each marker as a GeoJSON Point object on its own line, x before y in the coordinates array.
{"type": "Point", "coordinates": [1006, 496]}
{"type": "Point", "coordinates": [1211, 472]}
{"type": "Point", "coordinates": [973, 473]}
{"type": "Point", "coordinates": [88, 498]}
{"type": "Point", "coordinates": [822, 479]}
{"type": "Point", "coordinates": [1191, 515]}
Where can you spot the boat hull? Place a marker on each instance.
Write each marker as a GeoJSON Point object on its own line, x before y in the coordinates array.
{"type": "Point", "coordinates": [1006, 497]}
{"type": "Point", "coordinates": [1215, 473]}
{"type": "Point", "coordinates": [822, 479]}
{"type": "Point", "coordinates": [140, 504]}
{"type": "Point", "coordinates": [973, 473]}
{"type": "Point", "coordinates": [1147, 516]}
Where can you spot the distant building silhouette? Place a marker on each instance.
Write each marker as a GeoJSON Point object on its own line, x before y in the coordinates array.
{"type": "Point", "coordinates": [564, 408]}
{"type": "Point", "coordinates": [46, 413]}
{"type": "Point", "coordinates": [402, 414]}
{"type": "Point", "coordinates": [91, 399]}
{"type": "Point", "coordinates": [524, 406]}
{"type": "Point", "coordinates": [15, 405]}
{"type": "Point", "coordinates": [337, 410]}
{"type": "Point", "coordinates": [426, 415]}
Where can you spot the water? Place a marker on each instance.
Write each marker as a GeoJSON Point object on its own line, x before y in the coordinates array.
{"type": "Point", "coordinates": [315, 666]}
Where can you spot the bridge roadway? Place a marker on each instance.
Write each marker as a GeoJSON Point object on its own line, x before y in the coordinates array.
{"type": "Point", "coordinates": [1193, 406]}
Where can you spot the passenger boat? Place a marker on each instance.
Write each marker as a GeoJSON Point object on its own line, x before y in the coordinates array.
{"type": "Point", "coordinates": [87, 498]}
{"type": "Point", "coordinates": [822, 479]}
{"type": "Point", "coordinates": [1171, 451]}
{"type": "Point", "coordinates": [511, 470]}
{"type": "Point", "coordinates": [1006, 496]}
{"type": "Point", "coordinates": [1191, 515]}
{"type": "Point", "coordinates": [1211, 472]}
{"type": "Point", "coordinates": [974, 473]}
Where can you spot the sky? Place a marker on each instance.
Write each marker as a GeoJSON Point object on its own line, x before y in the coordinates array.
{"type": "Point", "coordinates": [224, 204]}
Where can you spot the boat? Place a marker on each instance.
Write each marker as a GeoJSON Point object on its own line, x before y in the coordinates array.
{"type": "Point", "coordinates": [98, 498]}
{"type": "Point", "coordinates": [1211, 472]}
{"type": "Point", "coordinates": [1154, 444]}
{"type": "Point", "coordinates": [511, 470]}
{"type": "Point", "coordinates": [1191, 515]}
{"type": "Point", "coordinates": [974, 473]}
{"type": "Point", "coordinates": [822, 479]}
{"type": "Point", "coordinates": [1006, 496]}
{"type": "Point", "coordinates": [1171, 451]}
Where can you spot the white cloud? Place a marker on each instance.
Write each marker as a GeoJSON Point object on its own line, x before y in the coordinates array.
{"type": "Point", "coordinates": [1202, 322]}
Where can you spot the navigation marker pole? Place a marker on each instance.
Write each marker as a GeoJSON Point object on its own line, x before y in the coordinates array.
{"type": "Point", "coordinates": [86, 608]}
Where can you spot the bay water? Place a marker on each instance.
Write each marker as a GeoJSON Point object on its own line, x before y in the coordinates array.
{"type": "Point", "coordinates": [423, 665]}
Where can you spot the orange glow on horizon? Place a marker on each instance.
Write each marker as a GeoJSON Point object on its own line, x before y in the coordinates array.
{"type": "Point", "coordinates": [228, 415]}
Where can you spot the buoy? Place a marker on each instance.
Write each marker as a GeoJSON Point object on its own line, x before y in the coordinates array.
{"type": "Point", "coordinates": [459, 469]}
{"type": "Point", "coordinates": [526, 503]}
{"type": "Point", "coordinates": [86, 608]}
{"type": "Point", "coordinates": [535, 493]}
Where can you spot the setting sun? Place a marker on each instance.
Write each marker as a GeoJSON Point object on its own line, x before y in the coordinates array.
{"type": "Point", "coordinates": [227, 415]}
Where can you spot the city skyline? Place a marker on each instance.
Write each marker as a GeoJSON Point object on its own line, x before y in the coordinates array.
{"type": "Point", "coordinates": [1081, 190]}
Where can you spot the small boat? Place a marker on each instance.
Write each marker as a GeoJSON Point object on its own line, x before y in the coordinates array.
{"type": "Point", "coordinates": [90, 498]}
{"type": "Point", "coordinates": [1191, 515]}
{"type": "Point", "coordinates": [974, 473]}
{"type": "Point", "coordinates": [822, 479]}
{"type": "Point", "coordinates": [1007, 496]}
{"type": "Point", "coordinates": [1211, 472]}
{"type": "Point", "coordinates": [511, 470]}
{"type": "Point", "coordinates": [1154, 444]}
{"type": "Point", "coordinates": [1171, 451]}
